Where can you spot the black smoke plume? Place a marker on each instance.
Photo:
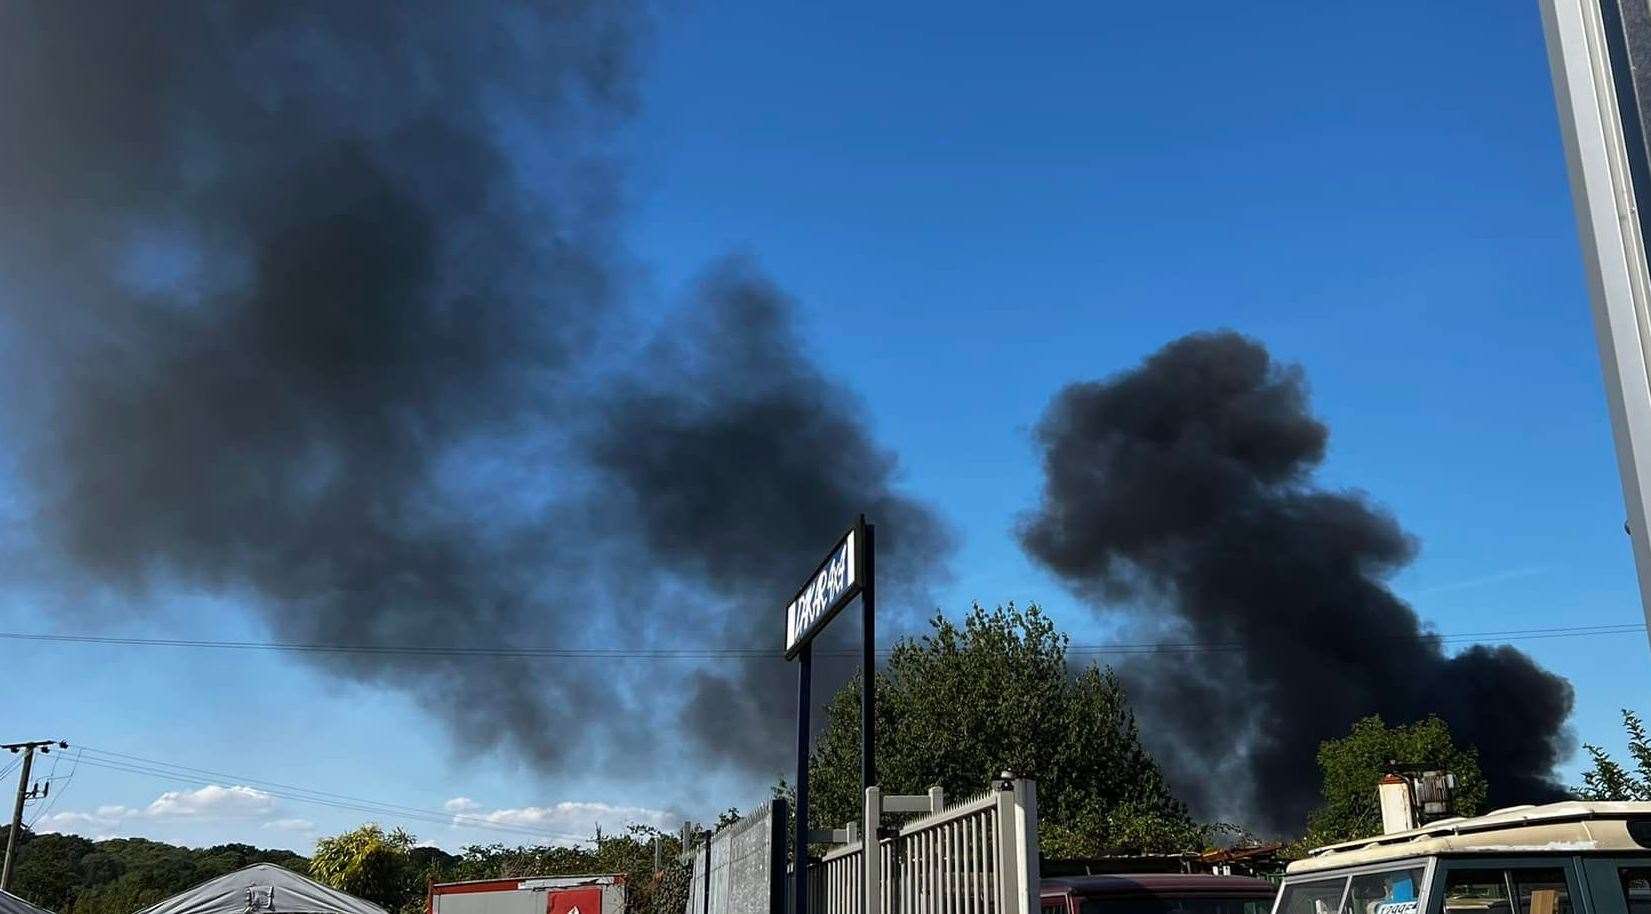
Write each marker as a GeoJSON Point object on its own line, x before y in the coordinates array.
{"type": "Point", "coordinates": [746, 459]}
{"type": "Point", "coordinates": [314, 306]}
{"type": "Point", "coordinates": [1182, 489]}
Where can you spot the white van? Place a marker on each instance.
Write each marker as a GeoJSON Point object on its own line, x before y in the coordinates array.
{"type": "Point", "coordinates": [1563, 858]}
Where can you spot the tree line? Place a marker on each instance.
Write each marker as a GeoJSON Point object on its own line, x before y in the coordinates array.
{"type": "Point", "coordinates": [69, 874]}
{"type": "Point", "coordinates": [994, 691]}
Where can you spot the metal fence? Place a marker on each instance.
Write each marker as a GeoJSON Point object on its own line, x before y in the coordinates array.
{"type": "Point", "coordinates": [976, 857]}
{"type": "Point", "coordinates": [949, 863]}
{"type": "Point", "coordinates": [744, 859]}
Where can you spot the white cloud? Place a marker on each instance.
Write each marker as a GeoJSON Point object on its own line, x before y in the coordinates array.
{"type": "Point", "coordinates": [103, 823]}
{"type": "Point", "coordinates": [78, 821]}
{"type": "Point", "coordinates": [300, 825]}
{"type": "Point", "coordinates": [563, 821]}
{"type": "Point", "coordinates": [212, 802]}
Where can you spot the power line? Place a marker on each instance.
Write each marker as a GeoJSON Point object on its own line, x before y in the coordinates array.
{"type": "Point", "coordinates": [1512, 634]}
{"type": "Point", "coordinates": [24, 794]}
{"type": "Point", "coordinates": [68, 780]}
{"type": "Point", "coordinates": [428, 817]}
{"type": "Point", "coordinates": [110, 757]}
{"type": "Point", "coordinates": [131, 764]}
{"type": "Point", "coordinates": [52, 774]}
{"type": "Point", "coordinates": [735, 653]}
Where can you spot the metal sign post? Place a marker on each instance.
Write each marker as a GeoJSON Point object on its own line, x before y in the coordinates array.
{"type": "Point", "coordinates": [873, 857]}
{"type": "Point", "coordinates": [1600, 55]}
{"type": "Point", "coordinates": [845, 574]}
{"type": "Point", "coordinates": [799, 866]}
{"type": "Point", "coordinates": [866, 541]}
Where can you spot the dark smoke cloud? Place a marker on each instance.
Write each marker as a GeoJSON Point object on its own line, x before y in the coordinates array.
{"type": "Point", "coordinates": [306, 305]}
{"type": "Point", "coordinates": [274, 272]}
{"type": "Point", "coordinates": [1184, 486]}
{"type": "Point", "coordinates": [748, 459]}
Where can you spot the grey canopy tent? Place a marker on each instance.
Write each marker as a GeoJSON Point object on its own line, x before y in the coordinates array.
{"type": "Point", "coordinates": [11, 904]}
{"type": "Point", "coordinates": [263, 888]}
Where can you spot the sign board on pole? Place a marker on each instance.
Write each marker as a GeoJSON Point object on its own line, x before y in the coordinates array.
{"type": "Point", "coordinates": [829, 589]}
{"type": "Point", "coordinates": [845, 574]}
{"type": "Point", "coordinates": [1600, 55]}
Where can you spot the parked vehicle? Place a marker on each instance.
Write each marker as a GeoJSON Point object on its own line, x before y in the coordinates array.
{"type": "Point", "coordinates": [1563, 858]}
{"type": "Point", "coordinates": [1157, 893]}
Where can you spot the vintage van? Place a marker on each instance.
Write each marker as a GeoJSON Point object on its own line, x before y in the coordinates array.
{"type": "Point", "coordinates": [1562, 858]}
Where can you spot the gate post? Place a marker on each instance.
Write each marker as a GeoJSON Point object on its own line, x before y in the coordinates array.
{"type": "Point", "coordinates": [778, 816]}
{"type": "Point", "coordinates": [1008, 884]}
{"type": "Point", "coordinates": [1017, 845]}
{"type": "Point", "coordinates": [709, 839]}
{"type": "Point", "coordinates": [1026, 834]}
{"type": "Point", "coordinates": [871, 852]}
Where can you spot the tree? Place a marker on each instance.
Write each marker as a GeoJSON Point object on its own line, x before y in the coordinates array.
{"type": "Point", "coordinates": [996, 693]}
{"type": "Point", "coordinates": [630, 853]}
{"type": "Point", "coordinates": [74, 875]}
{"type": "Point", "coordinates": [1353, 765]}
{"type": "Point", "coordinates": [1608, 780]}
{"type": "Point", "coordinates": [374, 864]}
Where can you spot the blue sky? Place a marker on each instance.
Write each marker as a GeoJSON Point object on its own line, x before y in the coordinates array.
{"type": "Point", "coordinates": [974, 206]}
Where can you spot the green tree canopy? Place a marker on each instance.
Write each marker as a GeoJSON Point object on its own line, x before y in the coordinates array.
{"type": "Point", "coordinates": [371, 863]}
{"type": "Point", "coordinates": [74, 875]}
{"type": "Point", "coordinates": [630, 853]}
{"type": "Point", "coordinates": [1353, 765]}
{"type": "Point", "coordinates": [1608, 780]}
{"type": "Point", "coordinates": [967, 701]}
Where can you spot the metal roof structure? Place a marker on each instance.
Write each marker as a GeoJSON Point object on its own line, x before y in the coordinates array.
{"type": "Point", "coordinates": [1569, 827]}
{"type": "Point", "coordinates": [263, 888]}
{"type": "Point", "coordinates": [11, 904]}
{"type": "Point", "coordinates": [538, 882]}
{"type": "Point", "coordinates": [1158, 884]}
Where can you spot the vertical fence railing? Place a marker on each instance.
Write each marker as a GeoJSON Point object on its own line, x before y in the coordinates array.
{"type": "Point", "coordinates": [975, 857]}
{"type": "Point", "coordinates": [946, 862]}
{"type": "Point", "coordinates": [835, 881]}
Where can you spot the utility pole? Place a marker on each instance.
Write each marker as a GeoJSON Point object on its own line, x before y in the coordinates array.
{"type": "Point", "coordinates": [24, 794]}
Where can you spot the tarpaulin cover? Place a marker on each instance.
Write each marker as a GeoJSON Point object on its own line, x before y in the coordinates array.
{"type": "Point", "coordinates": [11, 904]}
{"type": "Point", "coordinates": [263, 888]}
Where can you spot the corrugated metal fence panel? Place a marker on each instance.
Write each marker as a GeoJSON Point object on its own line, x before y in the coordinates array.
{"type": "Point", "coordinates": [751, 855]}
{"type": "Point", "coordinates": [741, 867]}
{"type": "Point", "coordinates": [696, 886]}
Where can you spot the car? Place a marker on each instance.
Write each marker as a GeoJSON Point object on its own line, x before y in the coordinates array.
{"type": "Point", "coordinates": [1559, 858]}
{"type": "Point", "coordinates": [1156, 893]}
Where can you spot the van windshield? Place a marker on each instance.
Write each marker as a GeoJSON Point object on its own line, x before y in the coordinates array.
{"type": "Point", "coordinates": [1171, 904]}
{"type": "Point", "coordinates": [1321, 896]}
{"type": "Point", "coordinates": [1391, 892]}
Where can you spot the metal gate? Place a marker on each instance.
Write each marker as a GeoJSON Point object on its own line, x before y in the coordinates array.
{"type": "Point", "coordinates": [976, 857]}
